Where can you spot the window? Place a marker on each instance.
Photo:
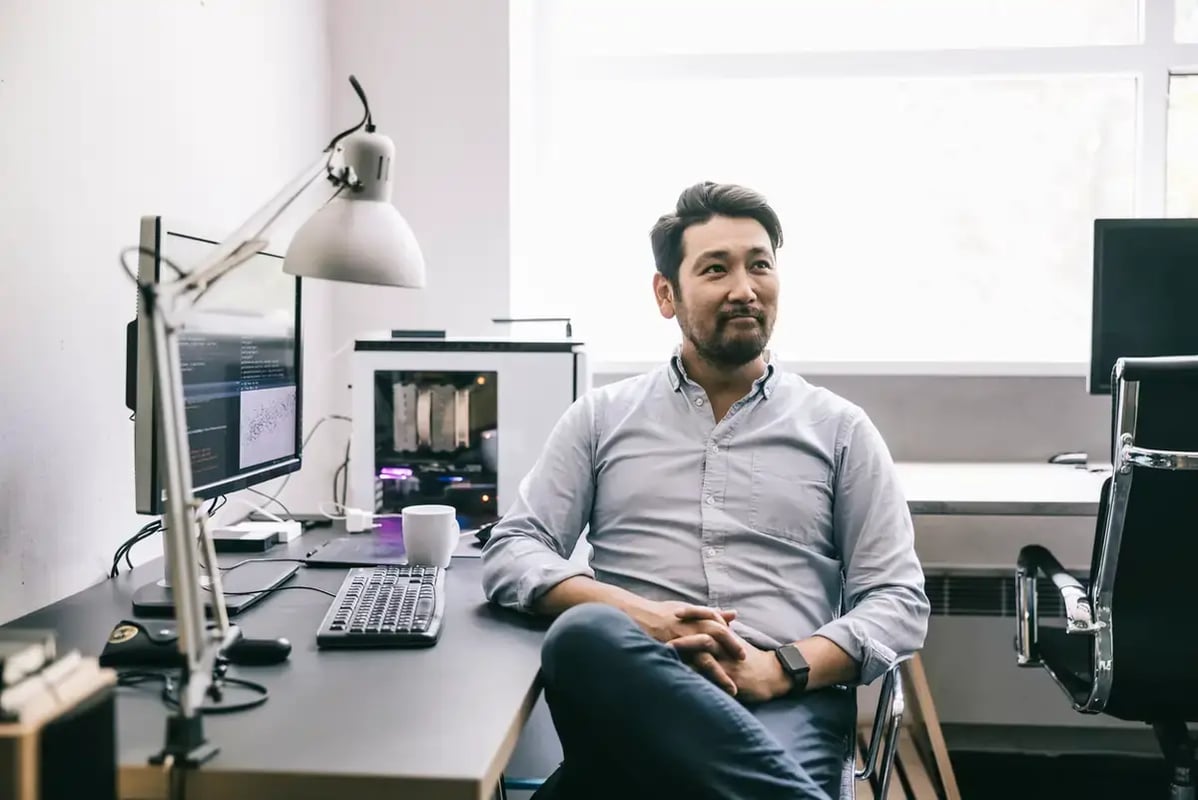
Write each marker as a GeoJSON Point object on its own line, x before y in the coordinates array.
{"type": "Point", "coordinates": [937, 164]}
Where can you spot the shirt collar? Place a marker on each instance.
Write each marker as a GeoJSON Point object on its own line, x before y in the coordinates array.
{"type": "Point", "coordinates": [764, 384]}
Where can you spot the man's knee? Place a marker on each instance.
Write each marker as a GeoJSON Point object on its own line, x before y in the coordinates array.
{"type": "Point", "coordinates": [584, 637]}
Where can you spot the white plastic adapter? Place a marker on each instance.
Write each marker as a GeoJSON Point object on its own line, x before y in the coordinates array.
{"type": "Point", "coordinates": [357, 520]}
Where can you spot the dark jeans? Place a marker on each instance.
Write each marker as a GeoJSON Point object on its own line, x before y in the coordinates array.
{"type": "Point", "coordinates": [635, 721]}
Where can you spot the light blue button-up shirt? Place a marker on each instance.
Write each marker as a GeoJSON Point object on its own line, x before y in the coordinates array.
{"type": "Point", "coordinates": [787, 510]}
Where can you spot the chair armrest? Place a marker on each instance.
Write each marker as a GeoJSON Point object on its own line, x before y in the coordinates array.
{"type": "Point", "coordinates": [883, 738]}
{"type": "Point", "coordinates": [1079, 617]}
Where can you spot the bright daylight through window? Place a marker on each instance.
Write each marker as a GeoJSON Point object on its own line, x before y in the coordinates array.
{"type": "Point", "coordinates": [937, 164]}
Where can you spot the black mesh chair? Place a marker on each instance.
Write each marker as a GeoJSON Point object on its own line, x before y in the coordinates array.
{"type": "Point", "coordinates": [1129, 645]}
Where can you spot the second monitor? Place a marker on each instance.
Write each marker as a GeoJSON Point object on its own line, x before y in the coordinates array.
{"type": "Point", "coordinates": [1145, 292]}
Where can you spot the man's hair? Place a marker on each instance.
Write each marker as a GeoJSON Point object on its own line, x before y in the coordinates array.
{"type": "Point", "coordinates": [699, 203]}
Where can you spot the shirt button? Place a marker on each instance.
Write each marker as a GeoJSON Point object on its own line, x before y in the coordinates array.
{"type": "Point", "coordinates": [699, 401]}
{"type": "Point", "coordinates": [710, 500]}
{"type": "Point", "coordinates": [710, 551]}
{"type": "Point", "coordinates": [715, 448]}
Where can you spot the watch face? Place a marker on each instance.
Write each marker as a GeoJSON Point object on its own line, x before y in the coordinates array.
{"type": "Point", "coordinates": [793, 659]}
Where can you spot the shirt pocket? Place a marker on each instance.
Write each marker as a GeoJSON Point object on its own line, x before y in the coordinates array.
{"type": "Point", "coordinates": [792, 502]}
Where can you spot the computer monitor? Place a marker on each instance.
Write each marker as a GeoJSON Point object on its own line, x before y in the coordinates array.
{"type": "Point", "coordinates": [1145, 293]}
{"type": "Point", "coordinates": [241, 361]}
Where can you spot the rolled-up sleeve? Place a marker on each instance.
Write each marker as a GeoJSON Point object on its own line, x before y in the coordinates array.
{"type": "Point", "coordinates": [529, 549]}
{"type": "Point", "coordinates": [886, 617]}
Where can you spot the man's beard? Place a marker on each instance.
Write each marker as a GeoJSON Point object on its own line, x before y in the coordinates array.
{"type": "Point", "coordinates": [730, 351]}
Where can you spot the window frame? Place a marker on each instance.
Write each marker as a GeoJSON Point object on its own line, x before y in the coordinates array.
{"type": "Point", "coordinates": [1153, 62]}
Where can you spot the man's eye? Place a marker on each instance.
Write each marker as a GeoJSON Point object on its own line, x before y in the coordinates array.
{"type": "Point", "coordinates": [714, 268]}
{"type": "Point", "coordinates": [762, 265]}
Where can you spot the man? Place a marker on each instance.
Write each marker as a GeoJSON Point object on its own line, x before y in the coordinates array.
{"type": "Point", "coordinates": [752, 555]}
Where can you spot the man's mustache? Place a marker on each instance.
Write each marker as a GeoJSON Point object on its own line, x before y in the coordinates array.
{"type": "Point", "coordinates": [745, 311]}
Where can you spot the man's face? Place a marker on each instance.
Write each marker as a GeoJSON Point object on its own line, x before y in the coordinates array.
{"type": "Point", "coordinates": [727, 294]}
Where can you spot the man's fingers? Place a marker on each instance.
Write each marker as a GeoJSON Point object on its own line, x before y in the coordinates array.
{"type": "Point", "coordinates": [728, 641]}
{"type": "Point", "coordinates": [692, 613]}
{"type": "Point", "coordinates": [706, 665]}
{"type": "Point", "coordinates": [696, 643]}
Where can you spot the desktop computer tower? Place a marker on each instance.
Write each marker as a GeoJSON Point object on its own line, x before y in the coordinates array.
{"type": "Point", "coordinates": [455, 421]}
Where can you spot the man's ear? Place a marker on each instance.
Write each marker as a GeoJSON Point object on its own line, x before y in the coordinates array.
{"type": "Point", "coordinates": [664, 293]}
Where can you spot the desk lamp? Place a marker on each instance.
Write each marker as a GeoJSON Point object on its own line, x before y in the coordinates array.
{"type": "Point", "coordinates": [357, 236]}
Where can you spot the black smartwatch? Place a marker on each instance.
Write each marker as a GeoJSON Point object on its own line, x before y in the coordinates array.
{"type": "Point", "coordinates": [794, 665]}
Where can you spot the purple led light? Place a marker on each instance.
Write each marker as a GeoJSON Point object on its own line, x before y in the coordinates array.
{"type": "Point", "coordinates": [396, 473]}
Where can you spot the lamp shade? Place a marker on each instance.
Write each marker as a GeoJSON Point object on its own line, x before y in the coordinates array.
{"type": "Point", "coordinates": [360, 237]}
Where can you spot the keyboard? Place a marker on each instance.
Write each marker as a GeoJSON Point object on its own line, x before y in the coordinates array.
{"type": "Point", "coordinates": [386, 606]}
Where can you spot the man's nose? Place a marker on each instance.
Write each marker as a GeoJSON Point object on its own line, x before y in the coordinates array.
{"type": "Point", "coordinates": [742, 289]}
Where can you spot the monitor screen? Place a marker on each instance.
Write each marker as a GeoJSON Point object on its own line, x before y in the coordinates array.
{"type": "Point", "coordinates": [239, 353]}
{"type": "Point", "coordinates": [1145, 287]}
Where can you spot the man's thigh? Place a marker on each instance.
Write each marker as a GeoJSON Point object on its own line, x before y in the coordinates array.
{"type": "Point", "coordinates": [816, 730]}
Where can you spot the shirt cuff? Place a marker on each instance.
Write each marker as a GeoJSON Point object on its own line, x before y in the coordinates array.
{"type": "Point", "coordinates": [873, 657]}
{"type": "Point", "coordinates": [541, 577]}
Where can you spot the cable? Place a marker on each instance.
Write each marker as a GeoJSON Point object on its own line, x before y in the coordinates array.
{"type": "Point", "coordinates": [270, 500]}
{"type": "Point", "coordinates": [245, 561]}
{"type": "Point", "coordinates": [169, 691]}
{"type": "Point", "coordinates": [147, 251]}
{"type": "Point", "coordinates": [269, 592]}
{"type": "Point", "coordinates": [148, 530]}
{"type": "Point", "coordinates": [345, 478]}
{"type": "Point", "coordinates": [343, 471]}
{"type": "Point", "coordinates": [341, 507]}
{"type": "Point", "coordinates": [367, 119]}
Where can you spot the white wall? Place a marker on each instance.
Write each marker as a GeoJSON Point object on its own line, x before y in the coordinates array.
{"type": "Point", "coordinates": [436, 74]}
{"type": "Point", "coordinates": [198, 109]}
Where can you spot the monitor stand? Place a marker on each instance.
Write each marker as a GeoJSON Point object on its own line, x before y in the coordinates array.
{"type": "Point", "coordinates": [255, 578]}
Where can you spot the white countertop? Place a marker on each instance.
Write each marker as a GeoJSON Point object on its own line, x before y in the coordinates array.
{"type": "Point", "coordinates": [1025, 489]}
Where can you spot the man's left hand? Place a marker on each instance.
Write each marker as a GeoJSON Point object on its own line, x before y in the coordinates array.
{"type": "Point", "coordinates": [756, 678]}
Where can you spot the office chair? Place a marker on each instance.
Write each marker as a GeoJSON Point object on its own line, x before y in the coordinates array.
{"type": "Point", "coordinates": [1129, 644]}
{"type": "Point", "coordinates": [877, 759]}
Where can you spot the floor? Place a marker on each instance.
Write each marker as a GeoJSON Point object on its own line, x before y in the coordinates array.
{"type": "Point", "coordinates": [982, 776]}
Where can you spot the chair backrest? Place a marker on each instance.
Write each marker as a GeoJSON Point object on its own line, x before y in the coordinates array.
{"type": "Point", "coordinates": [1145, 566]}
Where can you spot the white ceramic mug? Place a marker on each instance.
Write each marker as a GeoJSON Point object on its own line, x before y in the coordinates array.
{"type": "Point", "coordinates": [430, 534]}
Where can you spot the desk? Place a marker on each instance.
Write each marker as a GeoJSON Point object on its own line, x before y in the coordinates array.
{"type": "Point", "coordinates": [1004, 489]}
{"type": "Point", "coordinates": [435, 723]}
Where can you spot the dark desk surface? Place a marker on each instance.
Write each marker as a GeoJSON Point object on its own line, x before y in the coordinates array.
{"type": "Point", "coordinates": [439, 722]}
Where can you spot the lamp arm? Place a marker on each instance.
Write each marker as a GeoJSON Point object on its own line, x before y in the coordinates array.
{"type": "Point", "coordinates": [247, 239]}
{"type": "Point", "coordinates": [185, 527]}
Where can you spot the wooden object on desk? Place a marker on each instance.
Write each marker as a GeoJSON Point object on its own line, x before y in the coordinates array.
{"type": "Point", "coordinates": [64, 747]}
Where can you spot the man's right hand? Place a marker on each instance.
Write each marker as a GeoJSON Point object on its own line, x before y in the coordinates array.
{"type": "Point", "coordinates": [693, 627]}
